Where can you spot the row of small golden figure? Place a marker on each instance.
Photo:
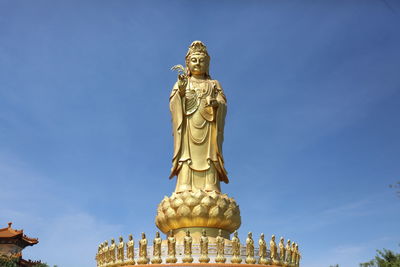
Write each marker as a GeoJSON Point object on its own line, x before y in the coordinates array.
{"type": "Point", "coordinates": [113, 255]}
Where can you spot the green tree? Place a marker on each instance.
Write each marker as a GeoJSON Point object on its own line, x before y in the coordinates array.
{"type": "Point", "coordinates": [385, 258]}
{"type": "Point", "coordinates": [8, 261]}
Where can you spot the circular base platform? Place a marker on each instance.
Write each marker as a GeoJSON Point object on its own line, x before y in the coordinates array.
{"type": "Point", "coordinates": [203, 265]}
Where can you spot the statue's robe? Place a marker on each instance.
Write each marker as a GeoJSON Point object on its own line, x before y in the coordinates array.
{"type": "Point", "coordinates": [198, 132]}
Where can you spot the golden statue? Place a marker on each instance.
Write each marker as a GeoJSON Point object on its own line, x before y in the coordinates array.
{"type": "Point", "coordinates": [120, 251]}
{"type": "Point", "coordinates": [187, 244]}
{"type": "Point", "coordinates": [293, 254]}
{"type": "Point", "coordinates": [171, 248]}
{"type": "Point", "coordinates": [106, 254]}
{"type": "Point", "coordinates": [112, 250]}
{"type": "Point", "coordinates": [250, 249]}
{"type": "Point", "coordinates": [198, 108]}
{"type": "Point", "coordinates": [98, 255]}
{"type": "Point", "coordinates": [220, 258]}
{"type": "Point", "coordinates": [262, 252]}
{"type": "Point", "coordinates": [143, 250]}
{"type": "Point", "coordinates": [157, 249]}
{"type": "Point", "coordinates": [273, 250]}
{"type": "Point", "coordinates": [204, 247]}
{"type": "Point", "coordinates": [298, 256]}
{"type": "Point", "coordinates": [288, 252]}
{"type": "Point", "coordinates": [130, 251]}
{"type": "Point", "coordinates": [236, 257]}
{"type": "Point", "coordinates": [282, 251]}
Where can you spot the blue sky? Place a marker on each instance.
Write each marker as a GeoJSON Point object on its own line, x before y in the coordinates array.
{"type": "Point", "coordinates": [311, 138]}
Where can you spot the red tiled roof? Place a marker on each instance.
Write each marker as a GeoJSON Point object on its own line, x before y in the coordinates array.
{"type": "Point", "coordinates": [8, 233]}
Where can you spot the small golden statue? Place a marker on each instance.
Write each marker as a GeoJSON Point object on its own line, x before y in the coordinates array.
{"type": "Point", "coordinates": [112, 250]}
{"type": "Point", "coordinates": [157, 249]}
{"type": "Point", "coordinates": [204, 248]}
{"type": "Point", "coordinates": [250, 249]}
{"type": "Point", "coordinates": [105, 253]}
{"type": "Point", "coordinates": [262, 252]}
{"type": "Point", "coordinates": [143, 259]}
{"type": "Point", "coordinates": [171, 248]}
{"type": "Point", "coordinates": [98, 255]}
{"type": "Point", "coordinates": [293, 254]}
{"type": "Point", "coordinates": [273, 249]}
{"type": "Point", "coordinates": [220, 258]}
{"type": "Point", "coordinates": [187, 244]}
{"type": "Point", "coordinates": [288, 252]}
{"type": "Point", "coordinates": [298, 256]}
{"type": "Point", "coordinates": [120, 252]}
{"type": "Point", "coordinates": [130, 251]}
{"type": "Point", "coordinates": [282, 252]}
{"type": "Point", "coordinates": [236, 257]}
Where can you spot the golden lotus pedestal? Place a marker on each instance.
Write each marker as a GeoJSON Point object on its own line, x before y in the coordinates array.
{"type": "Point", "coordinates": [198, 210]}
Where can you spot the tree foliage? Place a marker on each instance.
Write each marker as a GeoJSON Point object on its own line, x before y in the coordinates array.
{"type": "Point", "coordinates": [7, 261]}
{"type": "Point", "coordinates": [385, 258]}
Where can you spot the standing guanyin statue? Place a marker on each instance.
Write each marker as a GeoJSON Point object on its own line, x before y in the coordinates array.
{"type": "Point", "coordinates": [198, 108]}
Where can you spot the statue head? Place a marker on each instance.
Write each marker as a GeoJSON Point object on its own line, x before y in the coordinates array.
{"type": "Point", "coordinates": [288, 242]}
{"type": "Point", "coordinates": [273, 237]}
{"type": "Point", "coordinates": [203, 232]}
{"type": "Point", "coordinates": [106, 243]}
{"type": "Point", "coordinates": [262, 236]}
{"type": "Point", "coordinates": [157, 234]}
{"type": "Point", "coordinates": [293, 245]}
{"type": "Point", "coordinates": [120, 239]}
{"type": "Point", "coordinates": [281, 240]}
{"type": "Point", "coordinates": [250, 235]}
{"type": "Point", "coordinates": [112, 241]}
{"type": "Point", "coordinates": [143, 235]}
{"type": "Point", "coordinates": [171, 233]}
{"type": "Point", "coordinates": [220, 232]}
{"type": "Point", "coordinates": [197, 60]}
{"type": "Point", "coordinates": [187, 233]}
{"type": "Point", "coordinates": [130, 237]}
{"type": "Point", "coordinates": [235, 234]}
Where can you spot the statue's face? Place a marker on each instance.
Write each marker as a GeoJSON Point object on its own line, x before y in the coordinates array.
{"type": "Point", "coordinates": [198, 64]}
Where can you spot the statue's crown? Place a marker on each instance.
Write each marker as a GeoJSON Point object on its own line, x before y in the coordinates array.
{"type": "Point", "coordinates": [197, 47]}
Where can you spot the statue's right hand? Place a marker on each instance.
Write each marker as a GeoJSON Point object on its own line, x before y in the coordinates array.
{"type": "Point", "coordinates": [182, 82]}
